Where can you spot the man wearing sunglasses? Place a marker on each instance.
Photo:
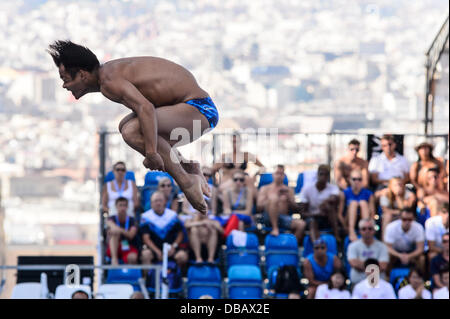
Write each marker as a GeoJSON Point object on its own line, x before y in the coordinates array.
{"type": "Point", "coordinates": [388, 164]}
{"type": "Point", "coordinates": [405, 241]}
{"type": "Point", "coordinates": [348, 163]}
{"type": "Point", "coordinates": [366, 247]}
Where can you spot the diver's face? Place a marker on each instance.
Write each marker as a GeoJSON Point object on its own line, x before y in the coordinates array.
{"type": "Point", "coordinates": [75, 85]}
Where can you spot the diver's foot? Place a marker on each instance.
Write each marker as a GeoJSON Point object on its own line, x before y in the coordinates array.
{"type": "Point", "coordinates": [194, 194]}
{"type": "Point", "coordinates": [195, 169]}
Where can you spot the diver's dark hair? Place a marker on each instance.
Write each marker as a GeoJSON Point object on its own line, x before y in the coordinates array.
{"type": "Point", "coordinates": [74, 57]}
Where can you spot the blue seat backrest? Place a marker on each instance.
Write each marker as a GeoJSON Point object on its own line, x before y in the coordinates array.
{"type": "Point", "coordinates": [244, 273]}
{"type": "Point", "coordinates": [204, 280]}
{"type": "Point", "coordinates": [123, 276]}
{"type": "Point", "coordinates": [252, 242]}
{"type": "Point", "coordinates": [153, 178]}
{"type": "Point", "coordinates": [281, 242]}
{"type": "Point", "coordinates": [267, 178]}
{"type": "Point", "coordinates": [204, 273]}
{"type": "Point", "coordinates": [128, 175]}
{"type": "Point", "coordinates": [329, 239]}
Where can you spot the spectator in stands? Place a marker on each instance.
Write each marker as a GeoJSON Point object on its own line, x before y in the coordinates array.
{"type": "Point", "coordinates": [122, 231]}
{"type": "Point", "coordinates": [335, 288]}
{"type": "Point", "coordinates": [349, 162]}
{"type": "Point", "coordinates": [425, 161]}
{"type": "Point", "coordinates": [119, 187]}
{"type": "Point", "coordinates": [161, 225]}
{"type": "Point", "coordinates": [319, 266]}
{"type": "Point", "coordinates": [405, 241]}
{"type": "Point", "coordinates": [137, 295]}
{"type": "Point", "coordinates": [237, 160]}
{"type": "Point", "coordinates": [319, 204]}
{"type": "Point", "coordinates": [388, 164]}
{"type": "Point", "coordinates": [366, 247]}
{"type": "Point", "coordinates": [439, 262]}
{"type": "Point", "coordinates": [415, 288]}
{"type": "Point", "coordinates": [203, 234]}
{"type": "Point", "coordinates": [239, 199]}
{"type": "Point", "coordinates": [369, 289]}
{"type": "Point", "coordinates": [277, 202]}
{"type": "Point", "coordinates": [432, 194]}
{"type": "Point", "coordinates": [359, 203]}
{"type": "Point", "coordinates": [393, 200]}
{"type": "Point", "coordinates": [435, 227]}
{"type": "Point", "coordinates": [80, 294]}
{"type": "Point", "coordinates": [442, 293]}
{"type": "Point", "coordinates": [165, 186]}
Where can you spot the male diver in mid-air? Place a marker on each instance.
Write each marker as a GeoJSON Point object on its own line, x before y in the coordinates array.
{"type": "Point", "coordinates": [162, 95]}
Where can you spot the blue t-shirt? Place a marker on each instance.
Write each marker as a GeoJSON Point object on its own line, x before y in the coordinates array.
{"type": "Point", "coordinates": [364, 194]}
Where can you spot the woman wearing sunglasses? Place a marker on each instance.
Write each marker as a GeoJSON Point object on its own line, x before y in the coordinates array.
{"type": "Point", "coordinates": [119, 187]}
{"type": "Point", "coordinates": [359, 202]}
{"type": "Point", "coordinates": [239, 200]}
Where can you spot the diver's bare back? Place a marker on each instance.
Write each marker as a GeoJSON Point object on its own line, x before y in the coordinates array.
{"type": "Point", "coordinates": [160, 81]}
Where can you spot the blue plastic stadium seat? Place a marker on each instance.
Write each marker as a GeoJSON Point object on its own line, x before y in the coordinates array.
{"type": "Point", "coordinates": [204, 280]}
{"type": "Point", "coordinates": [267, 178]}
{"type": "Point", "coordinates": [153, 178]}
{"type": "Point", "coordinates": [328, 238]}
{"type": "Point", "coordinates": [128, 175]}
{"type": "Point", "coordinates": [124, 276]}
{"type": "Point", "coordinates": [281, 250]}
{"type": "Point", "coordinates": [244, 282]}
{"type": "Point", "coordinates": [247, 255]}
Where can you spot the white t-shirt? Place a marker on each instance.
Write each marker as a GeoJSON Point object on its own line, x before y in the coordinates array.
{"type": "Point", "coordinates": [401, 241]}
{"type": "Point", "coordinates": [384, 200]}
{"type": "Point", "coordinates": [323, 292]}
{"type": "Point", "coordinates": [384, 290]}
{"type": "Point", "coordinates": [310, 194]}
{"type": "Point", "coordinates": [359, 250]}
{"type": "Point", "coordinates": [434, 229]}
{"type": "Point", "coordinates": [408, 292]}
{"type": "Point", "coordinates": [441, 293]}
{"type": "Point", "coordinates": [387, 169]}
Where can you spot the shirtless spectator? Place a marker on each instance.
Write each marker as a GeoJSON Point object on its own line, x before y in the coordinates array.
{"type": "Point", "coordinates": [277, 201]}
{"type": "Point", "coordinates": [203, 234]}
{"type": "Point", "coordinates": [425, 161]}
{"type": "Point", "coordinates": [349, 162]}
{"type": "Point", "coordinates": [388, 164]}
{"type": "Point", "coordinates": [319, 203]}
{"type": "Point", "coordinates": [432, 194]}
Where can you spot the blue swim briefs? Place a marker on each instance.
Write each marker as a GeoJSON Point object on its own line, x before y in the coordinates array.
{"type": "Point", "coordinates": [207, 108]}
